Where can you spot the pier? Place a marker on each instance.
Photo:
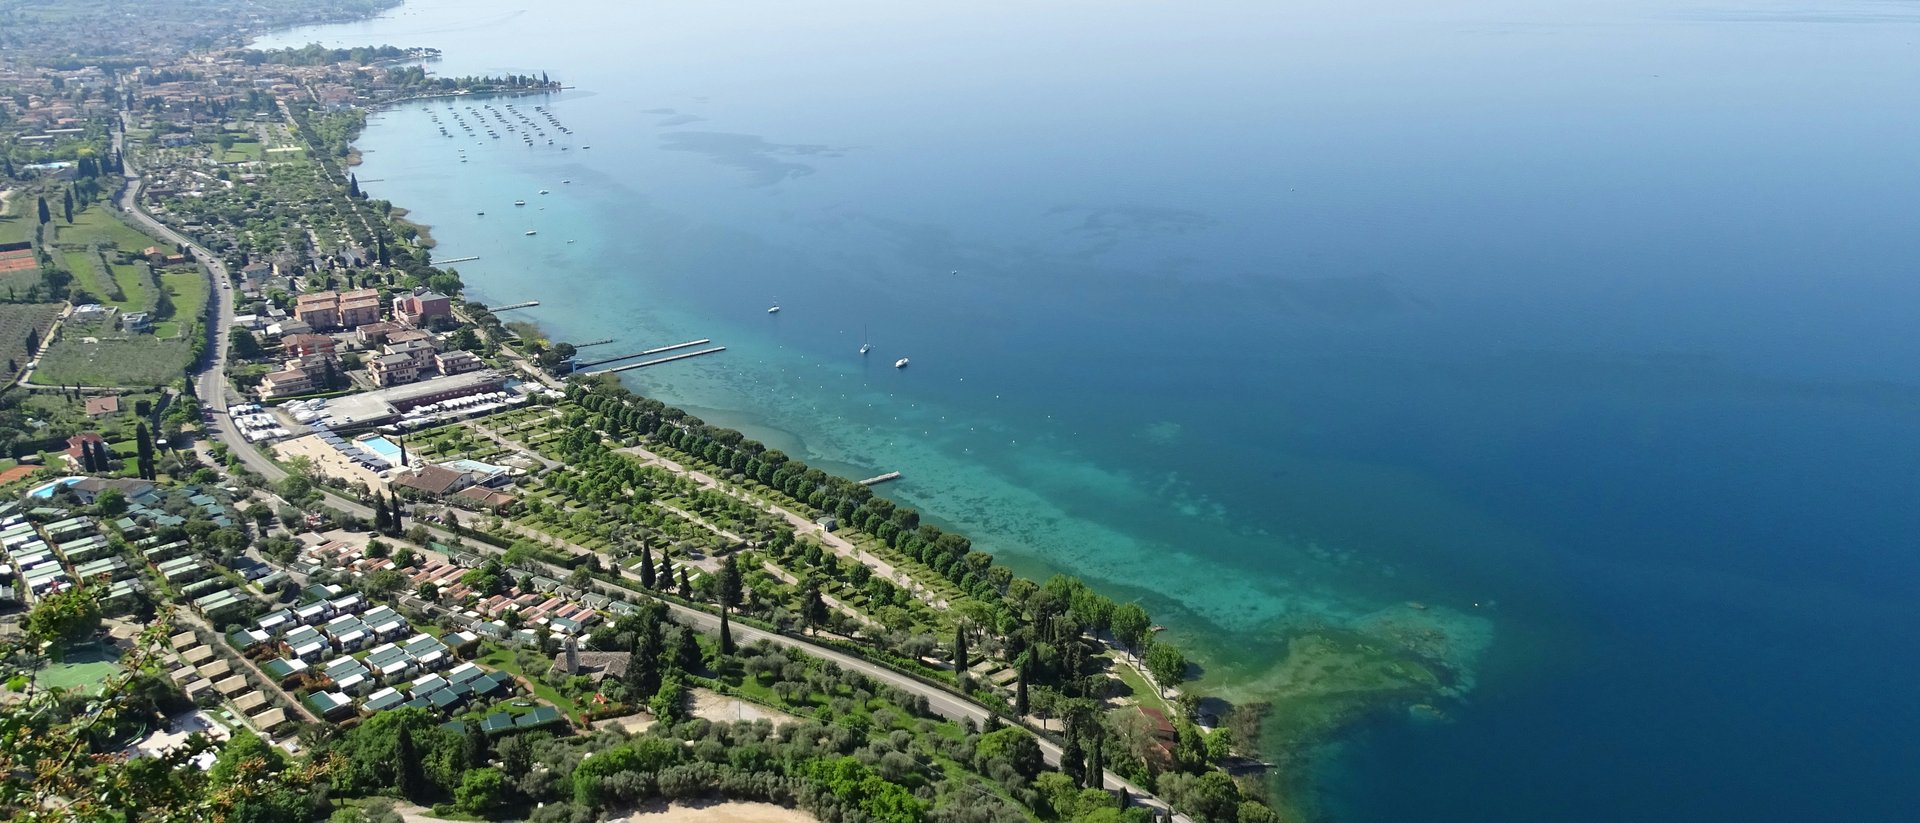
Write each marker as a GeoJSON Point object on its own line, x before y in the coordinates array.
{"type": "Point", "coordinates": [456, 260]}
{"type": "Point", "coordinates": [645, 363]}
{"type": "Point", "coordinates": [578, 346]}
{"type": "Point", "coordinates": [874, 481]}
{"type": "Point", "coordinates": [527, 305]}
{"type": "Point", "coordinates": [605, 360]}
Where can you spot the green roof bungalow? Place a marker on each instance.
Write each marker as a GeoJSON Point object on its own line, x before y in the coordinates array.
{"type": "Point", "coordinates": [221, 603]}
{"type": "Point", "coordinates": [444, 699]}
{"type": "Point", "coordinates": [543, 716]}
{"type": "Point", "coordinates": [497, 723]}
{"type": "Point", "coordinates": [203, 587]}
{"type": "Point", "coordinates": [70, 529]}
{"type": "Point", "coordinates": [129, 528]}
{"type": "Point", "coordinates": [329, 704]}
{"type": "Point", "coordinates": [283, 669]}
{"type": "Point", "coordinates": [114, 568]}
{"type": "Point", "coordinates": [383, 700]}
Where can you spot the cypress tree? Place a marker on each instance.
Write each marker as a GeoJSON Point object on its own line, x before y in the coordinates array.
{"type": "Point", "coordinates": [1073, 757]}
{"type": "Point", "coordinates": [408, 778]}
{"type": "Point", "coordinates": [959, 652]}
{"type": "Point", "coordinates": [403, 452]}
{"type": "Point", "coordinates": [730, 583]}
{"type": "Point", "coordinates": [646, 566]}
{"type": "Point", "coordinates": [382, 522]}
{"type": "Point", "coordinates": [45, 214]}
{"type": "Point", "coordinates": [1096, 760]}
{"type": "Point", "coordinates": [665, 576]}
{"type": "Point", "coordinates": [399, 514]}
{"type": "Point", "coordinates": [69, 206]}
{"type": "Point", "coordinates": [686, 585]}
{"type": "Point", "coordinates": [33, 341]}
{"type": "Point", "coordinates": [1020, 703]}
{"type": "Point", "coordinates": [144, 441]}
{"type": "Point", "coordinates": [477, 749]}
{"type": "Point", "coordinates": [726, 634]}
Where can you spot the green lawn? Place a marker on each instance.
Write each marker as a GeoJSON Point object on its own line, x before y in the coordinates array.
{"type": "Point", "coordinates": [189, 292]}
{"type": "Point", "coordinates": [240, 153]}
{"type": "Point", "coordinates": [85, 667]}
{"type": "Point", "coordinates": [98, 223]}
{"type": "Point", "coordinates": [134, 281]}
{"type": "Point", "coordinates": [502, 659]}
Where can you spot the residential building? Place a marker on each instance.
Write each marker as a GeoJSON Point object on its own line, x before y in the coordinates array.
{"type": "Point", "coordinates": [419, 310]}
{"type": "Point", "coordinates": [308, 345]}
{"type": "Point", "coordinates": [393, 369]}
{"type": "Point", "coordinates": [457, 361]}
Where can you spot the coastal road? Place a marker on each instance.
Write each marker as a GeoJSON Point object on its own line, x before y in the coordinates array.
{"type": "Point", "coordinates": [211, 386]}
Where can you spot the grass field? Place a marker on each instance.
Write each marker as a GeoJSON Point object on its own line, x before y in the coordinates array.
{"type": "Point", "coordinates": [240, 153]}
{"type": "Point", "coordinates": [97, 223]}
{"type": "Point", "coordinates": [189, 292]}
{"type": "Point", "coordinates": [14, 227]}
{"type": "Point", "coordinates": [85, 668]}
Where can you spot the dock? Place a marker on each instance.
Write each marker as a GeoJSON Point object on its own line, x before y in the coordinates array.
{"type": "Point", "coordinates": [874, 481]}
{"type": "Point", "coordinates": [645, 363]}
{"type": "Point", "coordinates": [578, 346]}
{"type": "Point", "coordinates": [527, 305]}
{"type": "Point", "coordinates": [456, 260]}
{"type": "Point", "coordinates": [661, 350]}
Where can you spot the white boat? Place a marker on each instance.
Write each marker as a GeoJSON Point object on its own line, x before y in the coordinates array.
{"type": "Point", "coordinates": [864, 345]}
{"type": "Point", "coordinates": [773, 310]}
{"type": "Point", "coordinates": [900, 364]}
{"type": "Point", "coordinates": [519, 202]}
{"type": "Point", "coordinates": [543, 191]}
{"type": "Point", "coordinates": [531, 232]}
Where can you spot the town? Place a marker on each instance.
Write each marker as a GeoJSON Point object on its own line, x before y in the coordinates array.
{"type": "Point", "coordinates": [265, 461]}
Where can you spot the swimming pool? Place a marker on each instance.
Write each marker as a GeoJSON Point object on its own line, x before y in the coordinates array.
{"type": "Point", "coordinates": [381, 447]}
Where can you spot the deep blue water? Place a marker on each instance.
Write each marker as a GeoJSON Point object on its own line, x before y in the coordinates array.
{"type": "Point", "coordinates": [1589, 327]}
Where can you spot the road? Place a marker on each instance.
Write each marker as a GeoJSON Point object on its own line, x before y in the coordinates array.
{"type": "Point", "coordinates": [211, 386]}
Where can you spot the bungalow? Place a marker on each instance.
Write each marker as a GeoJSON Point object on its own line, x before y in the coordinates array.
{"type": "Point", "coordinates": [348, 633]}
{"type": "Point", "coordinates": [329, 704]}
{"type": "Point", "coordinates": [384, 623]}
{"type": "Point", "coordinates": [383, 700]}
{"type": "Point", "coordinates": [433, 480]}
{"type": "Point", "coordinates": [307, 643]}
{"type": "Point", "coordinates": [348, 675]}
{"type": "Point", "coordinates": [276, 622]}
{"type": "Point", "coordinates": [271, 720]}
{"type": "Point", "coordinates": [283, 669]}
{"type": "Point", "coordinates": [314, 613]}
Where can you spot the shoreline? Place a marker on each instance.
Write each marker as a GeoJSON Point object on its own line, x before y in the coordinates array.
{"type": "Point", "coordinates": [1292, 782]}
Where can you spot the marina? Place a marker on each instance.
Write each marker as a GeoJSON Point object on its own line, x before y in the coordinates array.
{"type": "Point", "coordinates": [661, 350]}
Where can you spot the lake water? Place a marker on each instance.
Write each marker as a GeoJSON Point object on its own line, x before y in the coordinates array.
{"type": "Point", "coordinates": [1587, 326]}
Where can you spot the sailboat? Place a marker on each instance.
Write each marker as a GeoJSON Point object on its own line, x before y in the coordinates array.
{"type": "Point", "coordinates": [900, 364]}
{"type": "Point", "coordinates": [864, 345]}
{"type": "Point", "coordinates": [774, 309]}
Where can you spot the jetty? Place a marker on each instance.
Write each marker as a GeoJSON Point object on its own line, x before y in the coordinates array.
{"type": "Point", "coordinates": [601, 342]}
{"type": "Point", "coordinates": [661, 350]}
{"type": "Point", "coordinates": [874, 481]}
{"type": "Point", "coordinates": [527, 305]}
{"type": "Point", "coordinates": [457, 260]}
{"type": "Point", "coordinates": [645, 363]}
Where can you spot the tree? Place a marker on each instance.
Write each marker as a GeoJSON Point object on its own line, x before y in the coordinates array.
{"type": "Point", "coordinates": [726, 634]}
{"type": "Point", "coordinates": [243, 344]}
{"type": "Point", "coordinates": [111, 503]}
{"type": "Point", "coordinates": [813, 608]}
{"type": "Point", "coordinates": [481, 790]}
{"type": "Point", "coordinates": [1020, 690]}
{"type": "Point", "coordinates": [686, 652]}
{"type": "Point", "coordinates": [686, 584]}
{"type": "Point", "coordinates": [408, 777]}
{"type": "Point", "coordinates": [69, 206]}
{"type": "Point", "coordinates": [730, 583]}
{"type": "Point", "coordinates": [382, 521]}
{"type": "Point", "coordinates": [143, 441]}
{"type": "Point", "coordinates": [63, 618]}
{"type": "Point", "coordinates": [384, 582]}
{"type": "Point", "coordinates": [477, 749]}
{"type": "Point", "coordinates": [1167, 665]}
{"type": "Point", "coordinates": [646, 566]}
{"type": "Point", "coordinates": [1012, 746]}
{"type": "Point", "coordinates": [960, 663]}
{"type": "Point", "coordinates": [45, 214]}
{"type": "Point", "coordinates": [1131, 625]}
{"type": "Point", "coordinates": [399, 514]}
{"type": "Point", "coordinates": [33, 341]}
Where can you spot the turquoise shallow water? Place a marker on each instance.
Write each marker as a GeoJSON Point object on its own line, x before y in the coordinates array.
{"type": "Point", "coordinates": [1585, 327]}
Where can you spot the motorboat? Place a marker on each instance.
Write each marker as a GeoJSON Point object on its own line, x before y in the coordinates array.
{"type": "Point", "coordinates": [900, 364]}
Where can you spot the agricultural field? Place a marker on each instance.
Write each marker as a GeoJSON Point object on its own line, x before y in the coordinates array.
{"type": "Point", "coordinates": [15, 320]}
{"type": "Point", "coordinates": [96, 354]}
{"type": "Point", "coordinates": [188, 292]}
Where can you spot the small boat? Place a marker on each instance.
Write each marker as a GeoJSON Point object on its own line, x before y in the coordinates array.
{"type": "Point", "coordinates": [531, 232]}
{"type": "Point", "coordinates": [864, 345]}
{"type": "Point", "coordinates": [586, 147]}
{"type": "Point", "coordinates": [481, 213]}
{"type": "Point", "coordinates": [900, 364]}
{"type": "Point", "coordinates": [543, 191]}
{"type": "Point", "coordinates": [519, 202]}
{"type": "Point", "coordinates": [566, 181]}
{"type": "Point", "coordinates": [773, 310]}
